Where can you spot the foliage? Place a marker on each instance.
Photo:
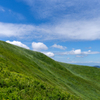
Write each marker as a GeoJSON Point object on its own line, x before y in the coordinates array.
{"type": "Point", "coordinates": [15, 86]}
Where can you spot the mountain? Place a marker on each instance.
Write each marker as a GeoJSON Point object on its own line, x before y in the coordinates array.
{"type": "Point", "coordinates": [97, 66]}
{"type": "Point", "coordinates": [30, 75]}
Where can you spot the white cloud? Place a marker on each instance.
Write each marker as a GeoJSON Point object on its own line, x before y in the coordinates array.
{"type": "Point", "coordinates": [39, 46]}
{"type": "Point", "coordinates": [11, 14]}
{"type": "Point", "coordinates": [22, 31]}
{"type": "Point", "coordinates": [79, 53]}
{"type": "Point", "coordinates": [90, 52]}
{"type": "Point", "coordinates": [64, 31]}
{"type": "Point", "coordinates": [72, 52]}
{"type": "Point", "coordinates": [16, 30]}
{"type": "Point", "coordinates": [46, 8]}
{"type": "Point", "coordinates": [50, 54]}
{"type": "Point", "coordinates": [76, 30]}
{"type": "Point", "coordinates": [59, 46]}
{"type": "Point", "coordinates": [79, 56]}
{"type": "Point", "coordinates": [15, 14]}
{"type": "Point", "coordinates": [18, 44]}
{"type": "Point", "coordinates": [83, 22]}
{"type": "Point", "coordinates": [84, 62]}
{"type": "Point", "coordinates": [88, 47]}
{"type": "Point", "coordinates": [52, 8]}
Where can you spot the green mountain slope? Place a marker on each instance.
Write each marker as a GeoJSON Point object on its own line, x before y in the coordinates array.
{"type": "Point", "coordinates": [29, 75]}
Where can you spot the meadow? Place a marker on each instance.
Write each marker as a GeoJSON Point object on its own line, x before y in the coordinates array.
{"type": "Point", "coordinates": [31, 75]}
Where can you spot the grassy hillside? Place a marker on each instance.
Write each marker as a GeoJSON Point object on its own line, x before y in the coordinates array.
{"type": "Point", "coordinates": [29, 75]}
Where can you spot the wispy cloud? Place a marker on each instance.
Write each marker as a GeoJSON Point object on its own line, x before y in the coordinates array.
{"type": "Point", "coordinates": [87, 30]}
{"type": "Point", "coordinates": [70, 20]}
{"type": "Point", "coordinates": [88, 48]}
{"type": "Point", "coordinates": [8, 13]}
{"type": "Point", "coordinates": [79, 56]}
{"type": "Point", "coordinates": [84, 62]}
{"type": "Point", "coordinates": [64, 31]}
{"type": "Point", "coordinates": [79, 53]}
{"type": "Point", "coordinates": [15, 30]}
{"type": "Point", "coordinates": [52, 8]}
{"type": "Point", "coordinates": [45, 8]}
{"type": "Point", "coordinates": [15, 14]}
{"type": "Point", "coordinates": [76, 30]}
{"type": "Point", "coordinates": [2, 9]}
{"type": "Point", "coordinates": [90, 52]}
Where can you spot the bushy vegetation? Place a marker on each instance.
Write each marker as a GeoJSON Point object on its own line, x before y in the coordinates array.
{"type": "Point", "coordinates": [29, 75]}
{"type": "Point", "coordinates": [15, 86]}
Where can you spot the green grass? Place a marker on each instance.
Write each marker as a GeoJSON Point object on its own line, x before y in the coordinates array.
{"type": "Point", "coordinates": [30, 75]}
{"type": "Point", "coordinates": [15, 86]}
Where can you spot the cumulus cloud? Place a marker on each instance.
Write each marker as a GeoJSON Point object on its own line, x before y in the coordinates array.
{"type": "Point", "coordinates": [59, 47]}
{"type": "Point", "coordinates": [72, 52]}
{"type": "Point", "coordinates": [50, 54]}
{"type": "Point", "coordinates": [18, 43]}
{"type": "Point", "coordinates": [39, 46]}
{"type": "Point", "coordinates": [78, 51]}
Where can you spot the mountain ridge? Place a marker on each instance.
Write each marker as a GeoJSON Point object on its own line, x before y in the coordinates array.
{"type": "Point", "coordinates": [75, 82]}
{"type": "Point", "coordinates": [97, 66]}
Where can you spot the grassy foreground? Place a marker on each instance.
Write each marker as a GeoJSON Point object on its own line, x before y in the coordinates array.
{"type": "Point", "coordinates": [30, 75]}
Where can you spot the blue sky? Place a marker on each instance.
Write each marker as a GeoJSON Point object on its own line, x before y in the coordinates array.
{"type": "Point", "coordinates": [65, 30]}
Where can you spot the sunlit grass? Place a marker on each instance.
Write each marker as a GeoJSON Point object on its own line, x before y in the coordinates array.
{"type": "Point", "coordinates": [29, 75]}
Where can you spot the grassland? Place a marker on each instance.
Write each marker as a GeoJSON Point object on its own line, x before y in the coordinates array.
{"type": "Point", "coordinates": [30, 75]}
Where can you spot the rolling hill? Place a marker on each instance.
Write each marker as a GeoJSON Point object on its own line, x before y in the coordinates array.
{"type": "Point", "coordinates": [30, 75]}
